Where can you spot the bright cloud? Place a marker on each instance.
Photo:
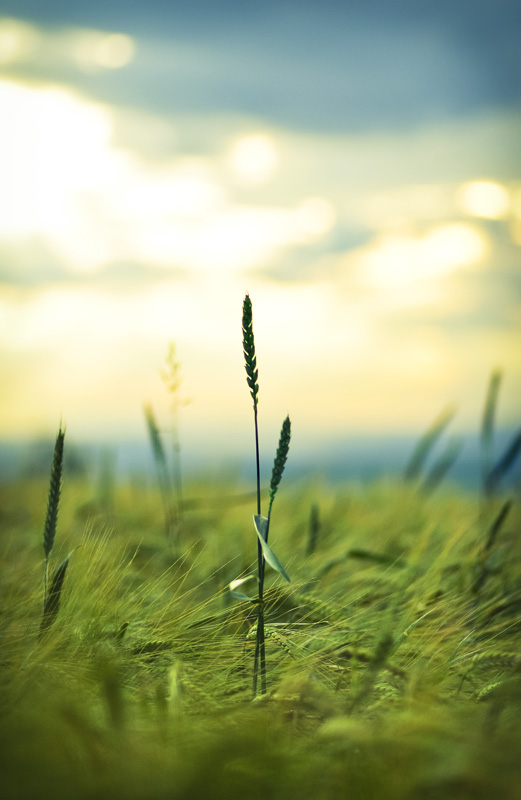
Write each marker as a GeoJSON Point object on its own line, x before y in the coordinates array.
{"type": "Point", "coordinates": [407, 269]}
{"type": "Point", "coordinates": [95, 204]}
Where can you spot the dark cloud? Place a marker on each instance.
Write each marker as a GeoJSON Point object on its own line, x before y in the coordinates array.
{"type": "Point", "coordinates": [335, 66]}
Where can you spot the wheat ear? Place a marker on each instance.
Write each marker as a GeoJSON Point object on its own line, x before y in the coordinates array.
{"type": "Point", "coordinates": [53, 501]}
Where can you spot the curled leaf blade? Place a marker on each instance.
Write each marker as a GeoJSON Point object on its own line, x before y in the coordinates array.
{"type": "Point", "coordinates": [235, 584]}
{"type": "Point", "coordinates": [261, 527]}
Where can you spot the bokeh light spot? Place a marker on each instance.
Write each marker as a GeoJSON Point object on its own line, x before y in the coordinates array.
{"type": "Point", "coordinates": [115, 51]}
{"type": "Point", "coordinates": [484, 199]}
{"type": "Point", "coordinates": [254, 158]}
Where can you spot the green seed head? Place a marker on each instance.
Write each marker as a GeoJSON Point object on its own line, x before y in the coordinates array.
{"type": "Point", "coordinates": [248, 344]}
{"type": "Point", "coordinates": [53, 499]}
{"type": "Point", "coordinates": [280, 458]}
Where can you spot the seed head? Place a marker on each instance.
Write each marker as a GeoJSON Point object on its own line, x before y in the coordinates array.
{"type": "Point", "coordinates": [280, 458]}
{"type": "Point", "coordinates": [248, 344]}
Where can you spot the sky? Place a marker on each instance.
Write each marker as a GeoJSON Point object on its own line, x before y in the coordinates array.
{"type": "Point", "coordinates": [355, 167]}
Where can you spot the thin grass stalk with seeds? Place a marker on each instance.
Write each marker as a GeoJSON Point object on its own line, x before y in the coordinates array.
{"type": "Point", "coordinates": [262, 523]}
{"type": "Point", "coordinates": [53, 501]}
{"type": "Point", "coordinates": [483, 565]}
{"type": "Point", "coordinates": [252, 375]}
{"type": "Point", "coordinates": [172, 379]}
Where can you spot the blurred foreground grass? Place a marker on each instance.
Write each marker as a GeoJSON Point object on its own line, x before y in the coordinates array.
{"type": "Point", "coordinates": [393, 664]}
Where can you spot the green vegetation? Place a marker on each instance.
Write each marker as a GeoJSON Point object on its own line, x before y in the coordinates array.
{"type": "Point", "coordinates": [390, 665]}
{"type": "Point", "coordinates": [390, 674]}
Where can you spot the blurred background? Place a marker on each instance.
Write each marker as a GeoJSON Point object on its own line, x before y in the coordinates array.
{"type": "Point", "coordinates": [355, 167]}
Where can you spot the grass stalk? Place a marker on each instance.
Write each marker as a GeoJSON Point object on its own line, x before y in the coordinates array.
{"type": "Point", "coordinates": [425, 445]}
{"type": "Point", "coordinates": [487, 430]}
{"type": "Point", "coordinates": [171, 376]}
{"type": "Point", "coordinates": [276, 475]}
{"type": "Point", "coordinates": [252, 375]}
{"type": "Point", "coordinates": [163, 476]}
{"type": "Point", "coordinates": [53, 501]}
{"type": "Point", "coordinates": [262, 523]}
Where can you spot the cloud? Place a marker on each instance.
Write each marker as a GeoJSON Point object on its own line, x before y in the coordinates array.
{"type": "Point", "coordinates": [350, 68]}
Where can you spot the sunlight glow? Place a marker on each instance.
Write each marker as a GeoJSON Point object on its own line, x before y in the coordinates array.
{"type": "Point", "coordinates": [254, 158]}
{"type": "Point", "coordinates": [484, 199]}
{"type": "Point", "coordinates": [397, 262]}
{"type": "Point", "coordinates": [92, 205]}
{"type": "Point", "coordinates": [53, 148]}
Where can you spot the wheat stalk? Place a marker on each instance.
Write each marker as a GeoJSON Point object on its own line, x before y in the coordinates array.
{"type": "Point", "coordinates": [53, 501]}
{"type": "Point", "coordinates": [264, 552]}
{"type": "Point", "coordinates": [252, 375]}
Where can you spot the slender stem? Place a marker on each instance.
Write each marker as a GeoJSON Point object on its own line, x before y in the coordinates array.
{"type": "Point", "coordinates": [45, 574]}
{"type": "Point", "coordinates": [252, 374]}
{"type": "Point", "coordinates": [260, 648]}
{"type": "Point", "coordinates": [257, 461]}
{"type": "Point", "coordinates": [260, 625]}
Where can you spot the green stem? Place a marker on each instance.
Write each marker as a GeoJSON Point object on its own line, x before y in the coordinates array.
{"type": "Point", "coordinates": [260, 647]}
{"type": "Point", "coordinates": [45, 574]}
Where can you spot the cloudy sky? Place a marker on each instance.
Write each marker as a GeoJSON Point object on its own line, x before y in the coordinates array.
{"type": "Point", "coordinates": [354, 166]}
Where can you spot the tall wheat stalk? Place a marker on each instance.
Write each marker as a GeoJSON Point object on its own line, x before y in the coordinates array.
{"type": "Point", "coordinates": [252, 375]}
{"type": "Point", "coordinates": [262, 524]}
{"type": "Point", "coordinates": [51, 597]}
